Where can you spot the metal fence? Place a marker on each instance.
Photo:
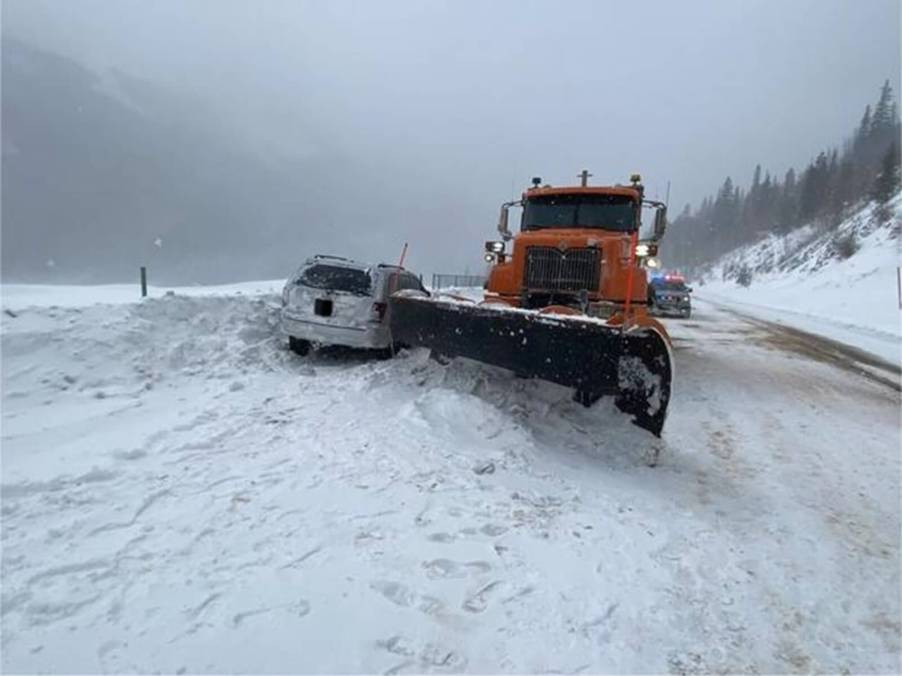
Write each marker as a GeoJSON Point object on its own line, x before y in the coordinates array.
{"type": "Point", "coordinates": [440, 281]}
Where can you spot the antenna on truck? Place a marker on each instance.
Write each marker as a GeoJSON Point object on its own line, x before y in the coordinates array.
{"type": "Point", "coordinates": [583, 176]}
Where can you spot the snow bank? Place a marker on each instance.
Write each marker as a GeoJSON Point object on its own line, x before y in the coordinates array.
{"type": "Point", "coordinates": [13, 296]}
{"type": "Point", "coordinates": [802, 280]}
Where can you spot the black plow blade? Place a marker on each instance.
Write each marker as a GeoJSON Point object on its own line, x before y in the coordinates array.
{"type": "Point", "coordinates": [593, 358]}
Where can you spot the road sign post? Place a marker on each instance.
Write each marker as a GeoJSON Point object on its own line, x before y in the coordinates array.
{"type": "Point", "coordinates": [899, 285]}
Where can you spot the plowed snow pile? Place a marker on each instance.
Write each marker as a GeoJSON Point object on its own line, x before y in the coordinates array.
{"type": "Point", "coordinates": [182, 493]}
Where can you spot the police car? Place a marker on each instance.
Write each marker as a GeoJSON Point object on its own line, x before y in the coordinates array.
{"type": "Point", "coordinates": [668, 296]}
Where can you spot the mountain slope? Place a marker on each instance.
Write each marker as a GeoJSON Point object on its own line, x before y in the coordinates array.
{"type": "Point", "coordinates": [106, 172]}
{"type": "Point", "coordinates": [845, 277]}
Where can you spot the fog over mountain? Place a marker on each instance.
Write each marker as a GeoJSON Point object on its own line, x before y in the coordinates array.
{"type": "Point", "coordinates": [102, 173]}
{"type": "Point", "coordinates": [217, 141]}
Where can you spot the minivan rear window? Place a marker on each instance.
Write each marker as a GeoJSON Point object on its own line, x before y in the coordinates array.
{"type": "Point", "coordinates": [337, 278]}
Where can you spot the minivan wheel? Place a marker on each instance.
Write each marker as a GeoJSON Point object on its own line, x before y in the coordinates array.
{"type": "Point", "coordinates": [298, 346]}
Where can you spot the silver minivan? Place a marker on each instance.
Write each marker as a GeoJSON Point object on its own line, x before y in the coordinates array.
{"type": "Point", "coordinates": [338, 301]}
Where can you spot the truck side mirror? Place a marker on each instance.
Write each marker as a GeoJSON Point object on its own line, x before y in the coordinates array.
{"type": "Point", "coordinates": [502, 222]}
{"type": "Point", "coordinates": [660, 222]}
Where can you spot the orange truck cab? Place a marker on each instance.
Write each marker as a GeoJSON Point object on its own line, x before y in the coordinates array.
{"type": "Point", "coordinates": [577, 248]}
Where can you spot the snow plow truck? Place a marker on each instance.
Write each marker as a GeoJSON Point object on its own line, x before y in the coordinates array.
{"type": "Point", "coordinates": [566, 302]}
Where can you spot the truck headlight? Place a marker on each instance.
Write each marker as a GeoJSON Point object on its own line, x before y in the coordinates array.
{"type": "Point", "coordinates": [652, 263]}
{"type": "Point", "coordinates": [494, 247]}
{"type": "Point", "coordinates": [642, 250]}
{"type": "Point", "coordinates": [489, 258]}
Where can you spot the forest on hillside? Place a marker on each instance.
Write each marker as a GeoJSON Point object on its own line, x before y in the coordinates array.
{"type": "Point", "coordinates": [834, 183]}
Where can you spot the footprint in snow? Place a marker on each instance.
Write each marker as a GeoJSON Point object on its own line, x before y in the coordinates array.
{"type": "Point", "coordinates": [402, 595]}
{"type": "Point", "coordinates": [493, 530]}
{"type": "Point", "coordinates": [446, 568]}
{"type": "Point", "coordinates": [440, 537]}
{"type": "Point", "coordinates": [297, 610]}
{"type": "Point", "coordinates": [135, 454]}
{"type": "Point", "coordinates": [425, 658]}
{"type": "Point", "coordinates": [478, 601]}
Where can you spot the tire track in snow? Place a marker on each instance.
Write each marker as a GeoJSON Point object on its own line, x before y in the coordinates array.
{"type": "Point", "coordinates": [823, 349]}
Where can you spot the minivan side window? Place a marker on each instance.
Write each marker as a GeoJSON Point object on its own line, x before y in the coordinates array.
{"type": "Point", "coordinates": [395, 281]}
{"type": "Point", "coordinates": [412, 281]}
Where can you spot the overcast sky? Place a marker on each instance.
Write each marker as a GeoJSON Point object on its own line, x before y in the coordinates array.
{"type": "Point", "coordinates": [476, 97]}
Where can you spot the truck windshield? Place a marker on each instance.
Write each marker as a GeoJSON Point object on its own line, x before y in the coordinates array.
{"type": "Point", "coordinates": [336, 278]}
{"type": "Point", "coordinates": [602, 212]}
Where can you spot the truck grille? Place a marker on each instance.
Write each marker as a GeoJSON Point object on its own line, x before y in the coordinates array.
{"type": "Point", "coordinates": [550, 269]}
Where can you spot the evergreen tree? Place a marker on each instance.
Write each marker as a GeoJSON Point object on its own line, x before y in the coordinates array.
{"type": "Point", "coordinates": [788, 209]}
{"type": "Point", "coordinates": [764, 221]}
{"type": "Point", "coordinates": [863, 131]}
{"type": "Point", "coordinates": [883, 120]}
{"type": "Point", "coordinates": [751, 205]}
{"type": "Point", "coordinates": [887, 182]}
{"type": "Point", "coordinates": [813, 188]}
{"type": "Point", "coordinates": [832, 205]}
{"type": "Point", "coordinates": [844, 186]}
{"type": "Point", "coordinates": [884, 130]}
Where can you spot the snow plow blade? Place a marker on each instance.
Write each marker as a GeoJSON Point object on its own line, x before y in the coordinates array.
{"type": "Point", "coordinates": [594, 358]}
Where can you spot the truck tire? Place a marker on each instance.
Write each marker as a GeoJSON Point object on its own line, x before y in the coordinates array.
{"type": "Point", "coordinates": [299, 346]}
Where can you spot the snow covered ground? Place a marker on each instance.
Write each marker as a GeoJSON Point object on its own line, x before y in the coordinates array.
{"type": "Point", "coordinates": [180, 493]}
{"type": "Point", "coordinates": [798, 279]}
{"type": "Point", "coordinates": [14, 296]}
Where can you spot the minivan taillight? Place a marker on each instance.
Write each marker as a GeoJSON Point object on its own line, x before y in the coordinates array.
{"type": "Point", "coordinates": [378, 312]}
